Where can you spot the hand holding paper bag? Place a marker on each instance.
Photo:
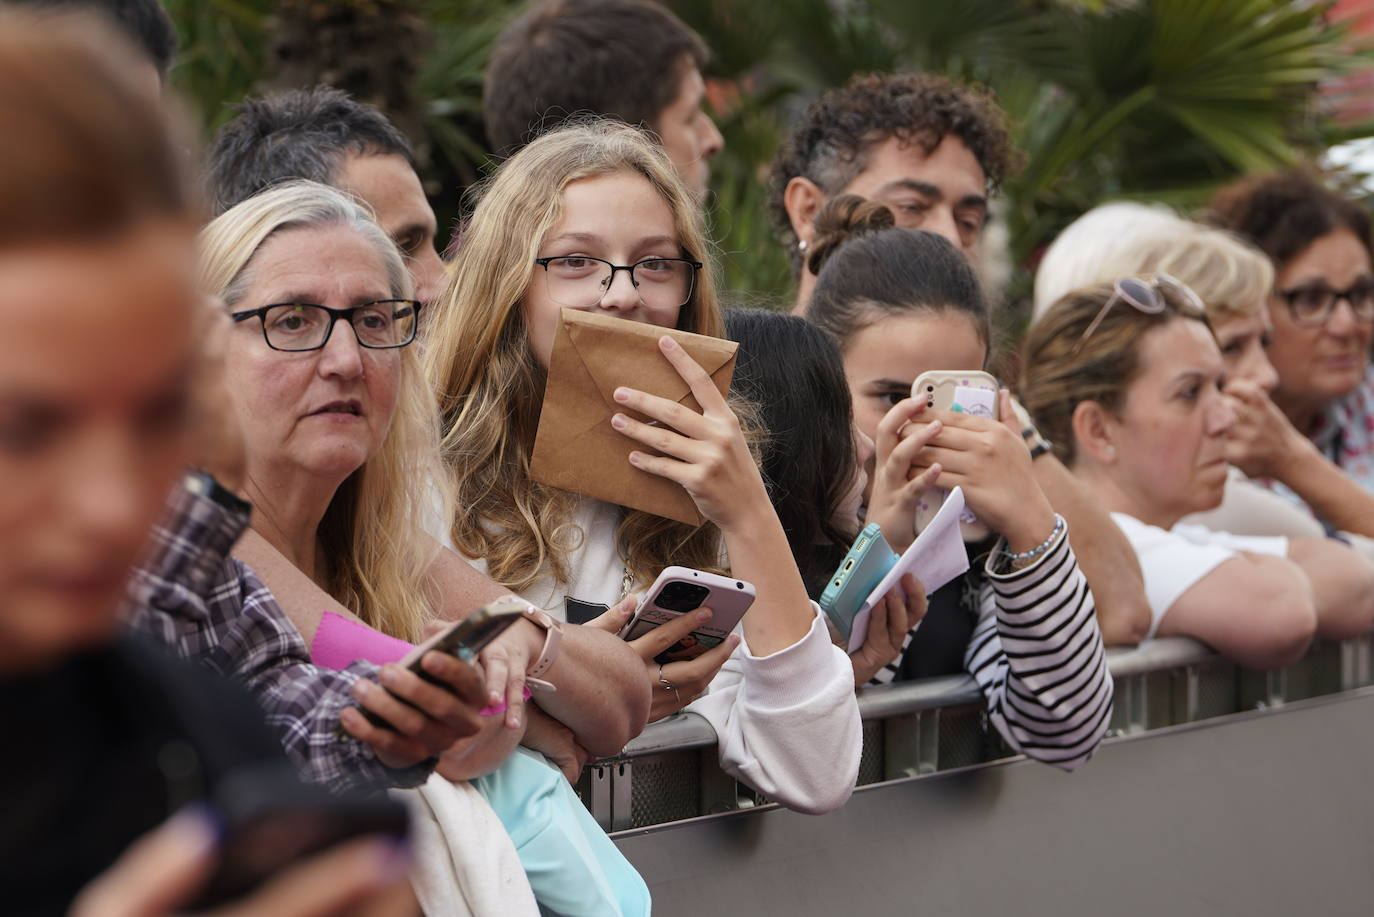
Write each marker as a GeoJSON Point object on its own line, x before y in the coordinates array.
{"type": "Point", "coordinates": [576, 448]}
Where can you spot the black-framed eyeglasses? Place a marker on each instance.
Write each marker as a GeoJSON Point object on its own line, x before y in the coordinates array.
{"type": "Point", "coordinates": [1313, 304]}
{"type": "Point", "coordinates": [298, 326]}
{"type": "Point", "coordinates": [1150, 297]}
{"type": "Point", "coordinates": [581, 282]}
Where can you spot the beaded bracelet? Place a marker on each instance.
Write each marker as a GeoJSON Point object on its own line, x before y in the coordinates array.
{"type": "Point", "coordinates": [1024, 559]}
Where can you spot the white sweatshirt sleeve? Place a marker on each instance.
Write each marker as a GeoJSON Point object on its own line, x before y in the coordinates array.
{"type": "Point", "coordinates": [788, 724]}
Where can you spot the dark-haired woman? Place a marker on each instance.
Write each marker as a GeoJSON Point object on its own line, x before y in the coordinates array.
{"type": "Point", "coordinates": [1322, 311]}
{"type": "Point", "coordinates": [813, 463]}
{"type": "Point", "coordinates": [900, 302]}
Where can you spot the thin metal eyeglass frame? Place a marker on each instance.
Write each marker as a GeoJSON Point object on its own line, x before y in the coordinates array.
{"type": "Point", "coordinates": [610, 282]}
{"type": "Point", "coordinates": [334, 316]}
{"type": "Point", "coordinates": [1336, 296]}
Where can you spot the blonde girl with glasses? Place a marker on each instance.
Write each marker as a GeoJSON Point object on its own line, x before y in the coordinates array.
{"type": "Point", "coordinates": [602, 195]}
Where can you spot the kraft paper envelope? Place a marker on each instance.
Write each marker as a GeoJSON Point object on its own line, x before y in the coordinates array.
{"type": "Point", "coordinates": [576, 448]}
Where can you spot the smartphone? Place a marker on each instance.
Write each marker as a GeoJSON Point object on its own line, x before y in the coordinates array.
{"type": "Point", "coordinates": [464, 639]}
{"type": "Point", "coordinates": [679, 590]}
{"type": "Point", "coordinates": [272, 821]}
{"type": "Point", "coordinates": [863, 567]}
{"type": "Point", "coordinates": [972, 392]}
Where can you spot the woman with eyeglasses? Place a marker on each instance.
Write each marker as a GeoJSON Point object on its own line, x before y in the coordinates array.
{"type": "Point", "coordinates": [1021, 621]}
{"type": "Point", "coordinates": [1126, 380]}
{"type": "Point", "coordinates": [1322, 309]}
{"type": "Point", "coordinates": [593, 217]}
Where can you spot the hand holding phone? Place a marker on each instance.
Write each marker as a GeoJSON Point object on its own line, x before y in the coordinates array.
{"type": "Point", "coordinates": [679, 590]}
{"type": "Point", "coordinates": [974, 393]}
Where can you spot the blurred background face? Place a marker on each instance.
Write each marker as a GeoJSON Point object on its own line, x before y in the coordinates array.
{"type": "Point", "coordinates": [1244, 342]}
{"type": "Point", "coordinates": [1170, 437]}
{"type": "Point", "coordinates": [323, 412]}
{"type": "Point", "coordinates": [94, 365]}
{"type": "Point", "coordinates": [689, 136]}
{"type": "Point", "coordinates": [1322, 363]}
{"type": "Point", "coordinates": [391, 188]}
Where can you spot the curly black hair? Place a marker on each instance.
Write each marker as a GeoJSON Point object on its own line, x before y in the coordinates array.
{"type": "Point", "coordinates": [830, 143]}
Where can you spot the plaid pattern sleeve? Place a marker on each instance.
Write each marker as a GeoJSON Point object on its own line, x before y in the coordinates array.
{"type": "Point", "coordinates": [210, 608]}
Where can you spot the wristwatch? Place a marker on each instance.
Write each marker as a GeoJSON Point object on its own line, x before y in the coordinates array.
{"type": "Point", "coordinates": [553, 635]}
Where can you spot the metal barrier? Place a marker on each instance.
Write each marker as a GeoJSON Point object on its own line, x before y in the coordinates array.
{"type": "Point", "coordinates": [912, 729]}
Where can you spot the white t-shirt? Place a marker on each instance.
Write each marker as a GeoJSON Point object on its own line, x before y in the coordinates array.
{"type": "Point", "coordinates": [1172, 560]}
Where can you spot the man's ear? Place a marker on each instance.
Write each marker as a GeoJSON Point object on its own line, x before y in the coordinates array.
{"type": "Point", "coordinates": [802, 198]}
{"type": "Point", "coordinates": [1094, 433]}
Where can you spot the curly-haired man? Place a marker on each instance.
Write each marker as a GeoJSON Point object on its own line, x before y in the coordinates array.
{"type": "Point", "coordinates": [930, 148]}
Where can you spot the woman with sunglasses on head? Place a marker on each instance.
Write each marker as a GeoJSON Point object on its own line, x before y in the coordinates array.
{"type": "Point", "coordinates": [1126, 379]}
{"type": "Point", "coordinates": [1021, 621]}
{"type": "Point", "coordinates": [1322, 310]}
{"type": "Point", "coordinates": [593, 217]}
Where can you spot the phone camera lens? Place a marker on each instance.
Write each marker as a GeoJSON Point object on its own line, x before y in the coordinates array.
{"type": "Point", "coordinates": [739, 585]}
{"type": "Point", "coordinates": [930, 388]}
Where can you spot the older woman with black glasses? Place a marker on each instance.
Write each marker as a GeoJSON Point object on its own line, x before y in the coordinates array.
{"type": "Point", "coordinates": [1323, 314]}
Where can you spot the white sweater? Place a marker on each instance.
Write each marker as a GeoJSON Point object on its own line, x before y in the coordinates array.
{"type": "Point", "coordinates": [787, 724]}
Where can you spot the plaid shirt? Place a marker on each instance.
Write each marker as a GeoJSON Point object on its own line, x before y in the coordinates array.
{"type": "Point", "coordinates": [211, 608]}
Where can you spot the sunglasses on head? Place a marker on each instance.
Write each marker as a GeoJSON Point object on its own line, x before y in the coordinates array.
{"type": "Point", "coordinates": [1150, 297]}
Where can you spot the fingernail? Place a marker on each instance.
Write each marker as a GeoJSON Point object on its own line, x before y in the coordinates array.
{"type": "Point", "coordinates": [703, 616]}
{"type": "Point", "coordinates": [622, 394]}
{"type": "Point", "coordinates": [199, 826]}
{"type": "Point", "coordinates": [618, 421]}
{"type": "Point", "coordinates": [667, 343]}
{"type": "Point", "coordinates": [734, 640]}
{"type": "Point", "coordinates": [387, 675]}
{"type": "Point", "coordinates": [635, 458]}
{"type": "Point", "coordinates": [935, 425]}
{"type": "Point", "coordinates": [513, 721]}
{"type": "Point", "coordinates": [494, 698]}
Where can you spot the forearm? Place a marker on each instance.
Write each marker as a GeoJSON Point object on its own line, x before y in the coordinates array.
{"type": "Point", "coordinates": [602, 695]}
{"type": "Point", "coordinates": [1342, 585]}
{"type": "Point", "coordinates": [1329, 491]}
{"type": "Point", "coordinates": [1104, 555]}
{"type": "Point", "coordinates": [759, 553]}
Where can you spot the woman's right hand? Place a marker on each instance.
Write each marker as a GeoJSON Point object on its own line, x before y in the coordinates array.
{"type": "Point", "coordinates": [888, 624]}
{"type": "Point", "coordinates": [1262, 442]}
{"type": "Point", "coordinates": [686, 680]}
{"type": "Point", "coordinates": [896, 490]}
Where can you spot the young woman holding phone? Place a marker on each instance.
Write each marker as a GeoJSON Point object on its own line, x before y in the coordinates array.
{"type": "Point", "coordinates": [901, 302]}
{"type": "Point", "coordinates": [546, 232]}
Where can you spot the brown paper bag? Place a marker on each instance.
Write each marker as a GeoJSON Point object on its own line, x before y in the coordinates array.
{"type": "Point", "coordinates": [576, 448]}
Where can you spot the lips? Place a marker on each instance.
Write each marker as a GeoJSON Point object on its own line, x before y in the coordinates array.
{"type": "Point", "coordinates": [352, 408]}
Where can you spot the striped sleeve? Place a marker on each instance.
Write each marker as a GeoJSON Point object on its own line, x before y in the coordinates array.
{"type": "Point", "coordinates": [1037, 655]}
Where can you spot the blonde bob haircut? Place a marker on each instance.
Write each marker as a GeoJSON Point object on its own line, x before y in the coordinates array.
{"type": "Point", "coordinates": [372, 535]}
{"type": "Point", "coordinates": [491, 385]}
{"type": "Point", "coordinates": [1060, 368]}
{"type": "Point", "coordinates": [1123, 239]}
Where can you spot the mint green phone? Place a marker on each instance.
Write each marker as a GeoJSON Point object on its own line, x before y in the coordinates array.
{"type": "Point", "coordinates": [862, 569]}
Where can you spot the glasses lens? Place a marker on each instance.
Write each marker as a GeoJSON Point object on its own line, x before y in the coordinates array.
{"type": "Point", "coordinates": [389, 323]}
{"type": "Point", "coordinates": [296, 327]}
{"type": "Point", "coordinates": [1180, 292]}
{"type": "Point", "coordinates": [1311, 305]}
{"type": "Point", "coordinates": [577, 282]}
{"type": "Point", "coordinates": [664, 282]}
{"type": "Point", "coordinates": [1361, 297]}
{"type": "Point", "coordinates": [1139, 294]}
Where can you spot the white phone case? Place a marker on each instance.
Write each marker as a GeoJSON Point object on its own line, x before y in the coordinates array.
{"type": "Point", "coordinates": [973, 392]}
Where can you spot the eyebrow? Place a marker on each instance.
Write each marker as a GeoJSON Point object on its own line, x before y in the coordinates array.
{"type": "Point", "coordinates": [890, 383]}
{"type": "Point", "coordinates": [590, 237]}
{"type": "Point", "coordinates": [305, 299]}
{"type": "Point", "coordinates": [929, 190]}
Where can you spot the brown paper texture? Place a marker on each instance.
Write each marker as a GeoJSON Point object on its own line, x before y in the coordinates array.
{"type": "Point", "coordinates": [576, 448]}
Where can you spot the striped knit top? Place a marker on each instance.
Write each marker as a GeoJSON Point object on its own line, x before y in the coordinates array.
{"type": "Point", "coordinates": [1037, 654]}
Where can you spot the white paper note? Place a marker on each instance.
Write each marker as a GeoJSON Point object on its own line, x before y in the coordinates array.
{"type": "Point", "coordinates": [935, 557]}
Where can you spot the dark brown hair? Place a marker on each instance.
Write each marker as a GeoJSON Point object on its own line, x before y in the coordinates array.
{"type": "Point", "coordinates": [867, 268]}
{"type": "Point", "coordinates": [620, 59]}
{"type": "Point", "coordinates": [1287, 211]}
{"type": "Point", "coordinates": [829, 144]}
{"type": "Point", "coordinates": [88, 151]}
{"type": "Point", "coordinates": [1060, 369]}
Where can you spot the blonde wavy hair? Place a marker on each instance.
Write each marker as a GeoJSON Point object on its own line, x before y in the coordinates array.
{"type": "Point", "coordinates": [1125, 239]}
{"type": "Point", "coordinates": [491, 386]}
{"type": "Point", "coordinates": [372, 535]}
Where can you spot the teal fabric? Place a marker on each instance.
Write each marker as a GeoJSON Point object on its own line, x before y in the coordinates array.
{"type": "Point", "coordinates": [572, 865]}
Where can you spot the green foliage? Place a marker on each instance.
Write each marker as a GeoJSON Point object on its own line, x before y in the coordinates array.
{"type": "Point", "coordinates": [1158, 99]}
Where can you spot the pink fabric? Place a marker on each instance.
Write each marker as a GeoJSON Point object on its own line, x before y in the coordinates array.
{"type": "Point", "coordinates": [339, 641]}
